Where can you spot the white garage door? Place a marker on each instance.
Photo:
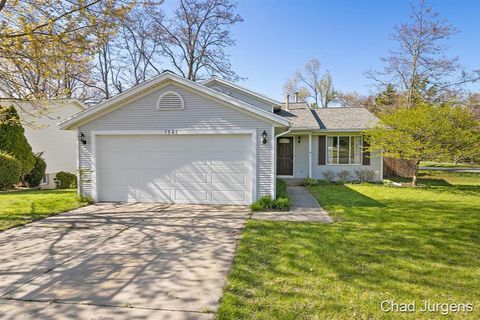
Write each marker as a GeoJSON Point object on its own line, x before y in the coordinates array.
{"type": "Point", "coordinates": [174, 168]}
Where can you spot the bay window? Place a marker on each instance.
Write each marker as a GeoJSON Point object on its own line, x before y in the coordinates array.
{"type": "Point", "coordinates": [344, 149]}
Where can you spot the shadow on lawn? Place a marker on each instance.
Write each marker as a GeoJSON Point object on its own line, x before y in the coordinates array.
{"type": "Point", "coordinates": [394, 246]}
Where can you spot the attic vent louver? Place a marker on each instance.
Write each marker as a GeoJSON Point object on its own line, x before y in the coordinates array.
{"type": "Point", "coordinates": [170, 101]}
{"type": "Point", "coordinates": [217, 89]}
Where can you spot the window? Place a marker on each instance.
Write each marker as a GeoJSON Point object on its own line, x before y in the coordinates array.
{"type": "Point", "coordinates": [44, 179]}
{"type": "Point", "coordinates": [344, 149]}
{"type": "Point", "coordinates": [170, 100]}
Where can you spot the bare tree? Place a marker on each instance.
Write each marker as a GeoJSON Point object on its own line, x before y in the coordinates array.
{"type": "Point", "coordinates": [312, 84]}
{"type": "Point", "coordinates": [418, 66]}
{"type": "Point", "coordinates": [194, 39]}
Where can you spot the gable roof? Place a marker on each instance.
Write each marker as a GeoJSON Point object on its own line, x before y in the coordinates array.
{"type": "Point", "coordinates": [345, 118]}
{"type": "Point", "coordinates": [242, 89]}
{"type": "Point", "coordinates": [300, 116]}
{"type": "Point", "coordinates": [166, 76]}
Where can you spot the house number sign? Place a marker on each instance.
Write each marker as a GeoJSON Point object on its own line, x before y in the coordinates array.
{"type": "Point", "coordinates": [171, 131]}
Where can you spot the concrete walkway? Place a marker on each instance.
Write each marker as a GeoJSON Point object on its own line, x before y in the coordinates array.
{"type": "Point", "coordinates": [120, 261]}
{"type": "Point", "coordinates": [304, 208]}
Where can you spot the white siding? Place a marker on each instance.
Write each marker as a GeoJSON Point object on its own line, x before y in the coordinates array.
{"type": "Point", "coordinates": [59, 147]}
{"type": "Point", "coordinates": [200, 113]}
{"type": "Point", "coordinates": [242, 96]}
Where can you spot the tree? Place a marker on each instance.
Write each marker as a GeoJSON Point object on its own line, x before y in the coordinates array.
{"type": "Point", "coordinates": [418, 66]}
{"type": "Point", "coordinates": [387, 100]}
{"type": "Point", "coordinates": [312, 85]}
{"type": "Point", "coordinates": [12, 139]}
{"type": "Point", "coordinates": [42, 41]}
{"type": "Point", "coordinates": [426, 132]}
{"type": "Point", "coordinates": [194, 39]}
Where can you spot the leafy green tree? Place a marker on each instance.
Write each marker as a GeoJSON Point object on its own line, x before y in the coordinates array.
{"type": "Point", "coordinates": [13, 140]}
{"type": "Point", "coordinates": [426, 132]}
{"type": "Point", "coordinates": [34, 177]}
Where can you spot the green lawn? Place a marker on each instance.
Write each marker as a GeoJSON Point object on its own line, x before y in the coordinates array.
{"type": "Point", "coordinates": [402, 244]}
{"type": "Point", "coordinates": [21, 207]}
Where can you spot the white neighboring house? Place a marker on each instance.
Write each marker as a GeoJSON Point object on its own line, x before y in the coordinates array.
{"type": "Point", "coordinates": [59, 147]}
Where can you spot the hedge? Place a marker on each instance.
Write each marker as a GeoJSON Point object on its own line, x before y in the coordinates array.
{"type": "Point", "coordinates": [10, 170]}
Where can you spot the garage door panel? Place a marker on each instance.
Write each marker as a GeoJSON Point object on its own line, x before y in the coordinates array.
{"type": "Point", "coordinates": [191, 177]}
{"type": "Point", "coordinates": [176, 168]}
{"type": "Point", "coordinates": [228, 178]}
{"type": "Point", "coordinates": [228, 196]}
{"type": "Point", "coordinates": [191, 195]}
{"type": "Point", "coordinates": [152, 193]}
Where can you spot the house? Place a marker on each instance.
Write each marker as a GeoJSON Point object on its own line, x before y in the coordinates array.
{"type": "Point", "coordinates": [43, 134]}
{"type": "Point", "coordinates": [174, 140]}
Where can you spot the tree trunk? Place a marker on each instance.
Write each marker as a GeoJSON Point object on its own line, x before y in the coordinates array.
{"type": "Point", "coordinates": [415, 174]}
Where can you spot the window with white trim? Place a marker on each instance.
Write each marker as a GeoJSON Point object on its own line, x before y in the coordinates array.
{"type": "Point", "coordinates": [344, 149]}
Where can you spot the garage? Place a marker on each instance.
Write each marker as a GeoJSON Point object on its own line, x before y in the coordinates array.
{"type": "Point", "coordinates": [178, 168]}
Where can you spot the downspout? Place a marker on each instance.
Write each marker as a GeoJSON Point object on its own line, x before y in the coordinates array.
{"type": "Point", "coordinates": [275, 160]}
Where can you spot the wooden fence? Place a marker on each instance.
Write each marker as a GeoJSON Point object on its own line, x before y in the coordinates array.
{"type": "Point", "coordinates": [397, 168]}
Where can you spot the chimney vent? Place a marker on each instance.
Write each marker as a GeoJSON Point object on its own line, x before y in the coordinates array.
{"type": "Point", "coordinates": [296, 96]}
{"type": "Point", "coordinates": [287, 101]}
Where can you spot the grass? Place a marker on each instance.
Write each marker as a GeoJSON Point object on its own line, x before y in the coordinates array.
{"type": "Point", "coordinates": [21, 207]}
{"type": "Point", "coordinates": [404, 244]}
{"type": "Point", "coordinates": [448, 164]}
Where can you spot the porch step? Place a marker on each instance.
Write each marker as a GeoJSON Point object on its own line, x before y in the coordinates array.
{"type": "Point", "coordinates": [293, 181]}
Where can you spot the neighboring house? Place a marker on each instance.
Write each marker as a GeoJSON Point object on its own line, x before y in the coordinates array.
{"type": "Point", "coordinates": [174, 140]}
{"type": "Point", "coordinates": [59, 147]}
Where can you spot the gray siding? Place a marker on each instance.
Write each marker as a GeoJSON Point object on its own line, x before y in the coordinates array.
{"type": "Point", "coordinates": [199, 113]}
{"type": "Point", "coordinates": [260, 103]}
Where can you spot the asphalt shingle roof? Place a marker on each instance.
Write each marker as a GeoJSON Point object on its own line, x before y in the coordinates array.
{"type": "Point", "coordinates": [344, 118]}
{"type": "Point", "coordinates": [338, 118]}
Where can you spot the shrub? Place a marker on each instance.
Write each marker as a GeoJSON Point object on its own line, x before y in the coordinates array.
{"type": "Point", "coordinates": [365, 175]}
{"type": "Point", "coordinates": [281, 188]}
{"type": "Point", "coordinates": [310, 182]}
{"type": "Point", "coordinates": [344, 176]}
{"type": "Point", "coordinates": [65, 180]}
{"type": "Point", "coordinates": [34, 177]}
{"type": "Point", "coordinates": [10, 170]}
{"type": "Point", "coordinates": [13, 141]}
{"type": "Point", "coordinates": [329, 175]}
{"type": "Point", "coordinates": [264, 203]}
{"type": "Point", "coordinates": [282, 204]}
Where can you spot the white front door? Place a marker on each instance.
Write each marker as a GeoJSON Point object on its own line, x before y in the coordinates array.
{"type": "Point", "coordinates": [214, 169]}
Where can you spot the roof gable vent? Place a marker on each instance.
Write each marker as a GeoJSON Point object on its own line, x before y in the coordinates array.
{"type": "Point", "coordinates": [217, 89]}
{"type": "Point", "coordinates": [170, 100]}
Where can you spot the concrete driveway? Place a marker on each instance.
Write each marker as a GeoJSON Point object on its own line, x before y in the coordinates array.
{"type": "Point", "coordinates": [120, 261]}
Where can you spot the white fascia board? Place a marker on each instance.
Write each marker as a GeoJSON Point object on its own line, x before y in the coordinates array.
{"type": "Point", "coordinates": [70, 123]}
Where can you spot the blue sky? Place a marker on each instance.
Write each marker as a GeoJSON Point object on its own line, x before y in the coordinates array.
{"type": "Point", "coordinates": [347, 36]}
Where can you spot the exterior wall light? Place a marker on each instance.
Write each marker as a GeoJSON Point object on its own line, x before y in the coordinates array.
{"type": "Point", "coordinates": [81, 138]}
{"type": "Point", "coordinates": [299, 139]}
{"type": "Point", "coordinates": [264, 137]}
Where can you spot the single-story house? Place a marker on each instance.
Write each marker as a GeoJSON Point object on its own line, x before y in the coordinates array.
{"type": "Point", "coordinates": [174, 140]}
{"type": "Point", "coordinates": [59, 147]}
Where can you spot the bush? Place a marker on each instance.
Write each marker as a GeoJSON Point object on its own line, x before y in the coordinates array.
{"type": "Point", "coordinates": [310, 182]}
{"type": "Point", "coordinates": [10, 171]}
{"type": "Point", "coordinates": [266, 203]}
{"type": "Point", "coordinates": [34, 177]}
{"type": "Point", "coordinates": [13, 141]}
{"type": "Point", "coordinates": [365, 175]}
{"type": "Point", "coordinates": [65, 180]}
{"type": "Point", "coordinates": [282, 203]}
{"type": "Point", "coordinates": [281, 189]}
{"type": "Point", "coordinates": [344, 176]}
{"type": "Point", "coordinates": [329, 175]}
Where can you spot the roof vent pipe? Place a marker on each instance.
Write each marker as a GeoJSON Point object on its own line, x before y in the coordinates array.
{"type": "Point", "coordinates": [296, 96]}
{"type": "Point", "coordinates": [287, 101]}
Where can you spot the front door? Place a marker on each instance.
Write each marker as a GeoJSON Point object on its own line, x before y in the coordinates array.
{"type": "Point", "coordinates": [285, 156]}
